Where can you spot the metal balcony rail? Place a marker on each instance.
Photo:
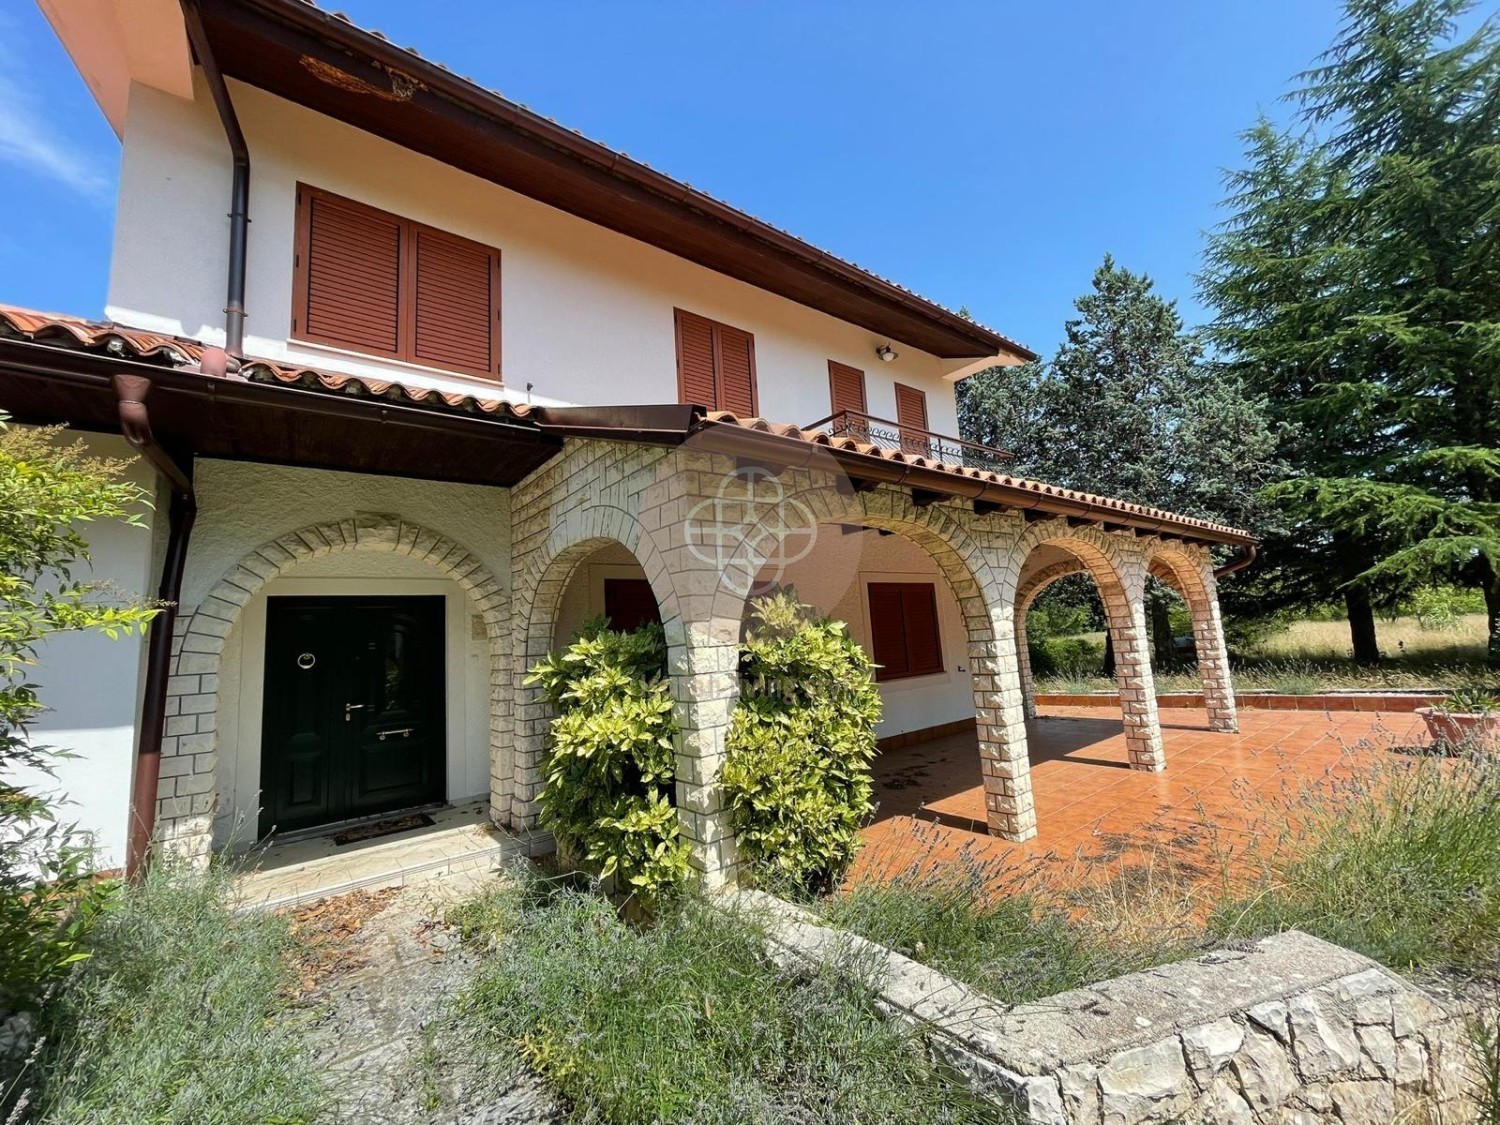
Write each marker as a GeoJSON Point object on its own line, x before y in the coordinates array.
{"type": "Point", "coordinates": [912, 440]}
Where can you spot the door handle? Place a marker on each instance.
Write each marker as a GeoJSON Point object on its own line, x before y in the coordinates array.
{"type": "Point", "coordinates": [348, 707]}
{"type": "Point", "coordinates": [404, 732]}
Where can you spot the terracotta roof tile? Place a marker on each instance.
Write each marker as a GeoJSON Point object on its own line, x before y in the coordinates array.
{"type": "Point", "coordinates": [1004, 480]}
{"type": "Point", "coordinates": [180, 351]}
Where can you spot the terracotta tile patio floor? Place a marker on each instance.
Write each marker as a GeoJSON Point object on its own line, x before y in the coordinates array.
{"type": "Point", "coordinates": [1095, 815]}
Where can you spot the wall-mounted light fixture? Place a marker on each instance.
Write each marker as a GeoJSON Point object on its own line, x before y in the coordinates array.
{"type": "Point", "coordinates": [886, 353]}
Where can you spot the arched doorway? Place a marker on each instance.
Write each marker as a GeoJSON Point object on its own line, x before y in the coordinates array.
{"type": "Point", "coordinates": [213, 774]}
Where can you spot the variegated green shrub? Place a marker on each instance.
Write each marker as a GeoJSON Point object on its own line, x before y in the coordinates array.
{"type": "Point", "coordinates": [797, 774]}
{"type": "Point", "coordinates": [609, 765]}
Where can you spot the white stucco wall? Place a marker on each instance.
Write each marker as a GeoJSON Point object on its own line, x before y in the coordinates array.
{"type": "Point", "coordinates": [587, 313]}
{"type": "Point", "coordinates": [243, 505]}
{"type": "Point", "coordinates": [834, 578]}
{"type": "Point", "coordinates": [91, 685]}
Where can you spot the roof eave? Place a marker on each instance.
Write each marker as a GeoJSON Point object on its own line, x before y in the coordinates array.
{"type": "Point", "coordinates": [887, 308]}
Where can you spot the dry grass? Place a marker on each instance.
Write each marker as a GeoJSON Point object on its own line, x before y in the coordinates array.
{"type": "Point", "coordinates": [1400, 639]}
{"type": "Point", "coordinates": [1308, 657]}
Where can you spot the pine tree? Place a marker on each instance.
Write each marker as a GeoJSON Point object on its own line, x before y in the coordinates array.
{"type": "Point", "coordinates": [1357, 284]}
{"type": "Point", "coordinates": [1129, 408]}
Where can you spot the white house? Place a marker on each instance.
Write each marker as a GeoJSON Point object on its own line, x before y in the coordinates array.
{"type": "Point", "coordinates": [478, 379]}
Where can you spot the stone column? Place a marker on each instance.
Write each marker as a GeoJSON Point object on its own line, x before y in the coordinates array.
{"type": "Point", "coordinates": [1023, 667]}
{"type": "Point", "coordinates": [704, 675]}
{"type": "Point", "coordinates": [1213, 656]}
{"type": "Point", "coordinates": [1000, 722]}
{"type": "Point", "coordinates": [1125, 609]}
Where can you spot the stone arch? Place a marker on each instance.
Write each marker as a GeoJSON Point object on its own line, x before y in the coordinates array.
{"type": "Point", "coordinates": [1118, 567]}
{"type": "Point", "coordinates": [1028, 591]}
{"type": "Point", "coordinates": [1189, 570]}
{"type": "Point", "coordinates": [536, 599]}
{"type": "Point", "coordinates": [188, 791]}
{"type": "Point", "coordinates": [944, 534]}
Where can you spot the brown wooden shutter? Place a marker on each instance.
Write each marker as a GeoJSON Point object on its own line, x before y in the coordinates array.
{"type": "Point", "coordinates": [455, 303]}
{"type": "Point", "coordinates": [736, 370]}
{"type": "Point", "coordinates": [911, 416]}
{"type": "Point", "coordinates": [846, 388]}
{"type": "Point", "coordinates": [715, 364]}
{"type": "Point", "coordinates": [695, 360]}
{"type": "Point", "coordinates": [348, 274]}
{"type": "Point", "coordinates": [924, 649]}
{"type": "Point", "coordinates": [629, 603]}
{"type": "Point", "coordinates": [904, 630]}
{"type": "Point", "coordinates": [887, 631]}
{"type": "Point", "coordinates": [374, 282]}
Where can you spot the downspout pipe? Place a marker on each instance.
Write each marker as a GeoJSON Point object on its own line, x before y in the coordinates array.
{"type": "Point", "coordinates": [239, 189]}
{"type": "Point", "coordinates": [1242, 558]}
{"type": "Point", "coordinates": [135, 424]}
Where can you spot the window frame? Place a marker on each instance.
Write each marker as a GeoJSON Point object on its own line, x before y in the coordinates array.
{"type": "Point", "coordinates": [883, 674]}
{"type": "Point", "coordinates": [714, 326]}
{"type": "Point", "coordinates": [406, 287]}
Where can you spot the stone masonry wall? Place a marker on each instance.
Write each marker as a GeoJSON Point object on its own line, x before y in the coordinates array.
{"type": "Point", "coordinates": [1291, 1029]}
{"type": "Point", "coordinates": [1187, 569]}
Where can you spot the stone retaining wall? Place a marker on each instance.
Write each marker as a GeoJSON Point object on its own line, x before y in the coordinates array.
{"type": "Point", "coordinates": [1290, 1029]}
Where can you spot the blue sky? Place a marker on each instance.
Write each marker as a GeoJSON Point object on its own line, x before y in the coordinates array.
{"type": "Point", "coordinates": [983, 154]}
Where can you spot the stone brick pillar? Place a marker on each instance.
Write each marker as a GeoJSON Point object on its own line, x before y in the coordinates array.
{"type": "Point", "coordinates": [1000, 719]}
{"type": "Point", "coordinates": [1213, 656]}
{"type": "Point", "coordinates": [704, 675]}
{"type": "Point", "coordinates": [1125, 609]}
{"type": "Point", "coordinates": [1023, 667]}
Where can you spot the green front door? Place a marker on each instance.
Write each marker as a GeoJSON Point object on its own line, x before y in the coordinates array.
{"type": "Point", "coordinates": [353, 720]}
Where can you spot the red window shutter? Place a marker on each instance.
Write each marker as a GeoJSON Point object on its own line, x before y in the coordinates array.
{"type": "Point", "coordinates": [715, 365]}
{"type": "Point", "coordinates": [904, 629]}
{"type": "Point", "coordinates": [629, 603]}
{"type": "Point", "coordinates": [736, 370]}
{"type": "Point", "coordinates": [846, 388]}
{"type": "Point", "coordinates": [349, 275]}
{"type": "Point", "coordinates": [911, 416]}
{"type": "Point", "coordinates": [887, 631]}
{"type": "Point", "coordinates": [695, 360]}
{"type": "Point", "coordinates": [924, 647]}
{"type": "Point", "coordinates": [455, 303]}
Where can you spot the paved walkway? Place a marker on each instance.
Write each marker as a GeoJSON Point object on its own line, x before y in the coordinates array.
{"type": "Point", "coordinates": [1094, 814]}
{"type": "Point", "coordinates": [383, 1002]}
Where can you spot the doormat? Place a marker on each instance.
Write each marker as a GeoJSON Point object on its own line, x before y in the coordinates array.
{"type": "Point", "coordinates": [382, 828]}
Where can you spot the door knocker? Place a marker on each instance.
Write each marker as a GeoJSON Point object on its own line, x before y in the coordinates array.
{"type": "Point", "coordinates": [306, 661]}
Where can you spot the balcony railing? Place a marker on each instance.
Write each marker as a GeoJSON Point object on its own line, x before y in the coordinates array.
{"type": "Point", "coordinates": [912, 440]}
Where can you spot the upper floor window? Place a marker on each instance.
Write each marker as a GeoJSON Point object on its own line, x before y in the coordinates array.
{"type": "Point", "coordinates": [911, 416]}
{"type": "Point", "coordinates": [715, 365]}
{"type": "Point", "coordinates": [370, 281]}
{"type": "Point", "coordinates": [846, 388]}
